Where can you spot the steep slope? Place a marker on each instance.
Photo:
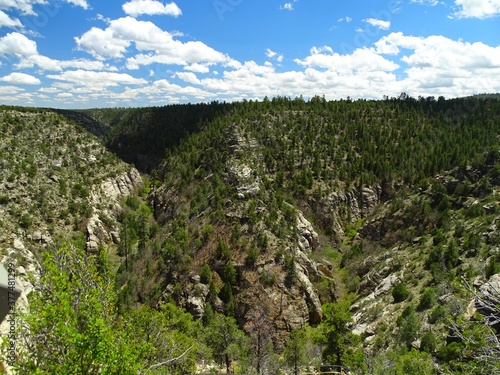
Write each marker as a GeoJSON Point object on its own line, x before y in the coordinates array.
{"type": "Point", "coordinates": [425, 251]}
{"type": "Point", "coordinates": [259, 208]}
{"type": "Point", "coordinates": [57, 183]}
{"type": "Point", "coordinates": [141, 136]}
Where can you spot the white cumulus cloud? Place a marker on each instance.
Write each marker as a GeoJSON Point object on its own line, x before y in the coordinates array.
{"type": "Point", "coordinates": [383, 25]}
{"type": "Point", "coordinates": [97, 80]}
{"type": "Point", "coordinates": [21, 79]}
{"type": "Point", "coordinates": [426, 2]}
{"type": "Point", "coordinates": [81, 3]}
{"type": "Point", "coordinates": [5, 20]}
{"type": "Point", "coordinates": [135, 8]}
{"type": "Point", "coordinates": [155, 45]}
{"type": "Point", "coordinates": [274, 55]}
{"type": "Point", "coordinates": [17, 44]}
{"type": "Point", "coordinates": [24, 6]}
{"type": "Point", "coordinates": [477, 8]}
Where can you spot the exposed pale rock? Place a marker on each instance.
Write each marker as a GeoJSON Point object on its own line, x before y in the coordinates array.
{"type": "Point", "coordinates": [115, 188]}
{"type": "Point", "coordinates": [373, 278]}
{"type": "Point", "coordinates": [46, 238]}
{"type": "Point", "coordinates": [93, 238]}
{"type": "Point", "coordinates": [18, 244]}
{"type": "Point", "coordinates": [308, 237]}
{"type": "Point", "coordinates": [37, 235]}
{"type": "Point", "coordinates": [92, 247]}
{"type": "Point", "coordinates": [196, 306]}
{"type": "Point", "coordinates": [308, 266]}
{"type": "Point", "coordinates": [446, 298]}
{"type": "Point", "coordinates": [316, 313]}
{"type": "Point", "coordinates": [364, 330]}
{"type": "Point", "coordinates": [490, 299]}
{"type": "Point", "coordinates": [242, 177]}
{"type": "Point", "coordinates": [251, 190]}
{"type": "Point", "coordinates": [386, 284]}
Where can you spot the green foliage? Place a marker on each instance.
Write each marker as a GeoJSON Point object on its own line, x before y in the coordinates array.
{"type": "Point", "coordinates": [25, 220]}
{"type": "Point", "coordinates": [222, 252]}
{"type": "Point", "coordinates": [437, 314]}
{"type": "Point", "coordinates": [428, 342]}
{"type": "Point", "coordinates": [230, 274]}
{"type": "Point", "coordinates": [414, 363]}
{"type": "Point", "coordinates": [409, 326]}
{"type": "Point", "coordinates": [267, 277]}
{"type": "Point", "coordinates": [290, 268]}
{"type": "Point", "coordinates": [340, 346]}
{"type": "Point", "coordinates": [206, 231]}
{"type": "Point", "coordinates": [295, 350]}
{"type": "Point", "coordinates": [72, 324]}
{"type": "Point", "coordinates": [451, 255]}
{"type": "Point", "coordinates": [205, 274]}
{"type": "Point", "coordinates": [133, 202]}
{"type": "Point", "coordinates": [451, 352]}
{"type": "Point", "coordinates": [400, 292]}
{"type": "Point", "coordinates": [493, 266]}
{"type": "Point", "coordinates": [427, 299]}
{"type": "Point", "coordinates": [166, 334]}
{"type": "Point", "coordinates": [225, 340]}
{"type": "Point", "coordinates": [252, 255]}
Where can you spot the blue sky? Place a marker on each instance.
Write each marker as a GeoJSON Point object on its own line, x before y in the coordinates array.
{"type": "Point", "coordinates": [107, 53]}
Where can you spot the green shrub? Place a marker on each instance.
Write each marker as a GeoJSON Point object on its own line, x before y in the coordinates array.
{"type": "Point", "coordinates": [267, 278]}
{"type": "Point", "coordinates": [409, 326]}
{"type": "Point", "coordinates": [25, 221]}
{"type": "Point", "coordinates": [400, 292]}
{"type": "Point", "coordinates": [493, 266]}
{"type": "Point", "coordinates": [451, 352]}
{"type": "Point", "coordinates": [437, 314]}
{"type": "Point", "coordinates": [414, 363]}
{"type": "Point", "coordinates": [427, 299]}
{"type": "Point", "coordinates": [252, 255]}
{"type": "Point", "coordinates": [205, 274]}
{"type": "Point", "coordinates": [133, 202]}
{"type": "Point", "coordinates": [222, 251]}
{"type": "Point", "coordinates": [428, 343]}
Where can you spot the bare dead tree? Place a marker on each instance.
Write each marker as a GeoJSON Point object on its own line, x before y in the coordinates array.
{"type": "Point", "coordinates": [259, 328]}
{"type": "Point", "coordinates": [478, 330]}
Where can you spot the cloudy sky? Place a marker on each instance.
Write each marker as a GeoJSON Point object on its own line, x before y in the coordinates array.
{"type": "Point", "coordinates": [112, 53]}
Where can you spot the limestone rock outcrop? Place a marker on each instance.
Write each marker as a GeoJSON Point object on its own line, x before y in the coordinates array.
{"type": "Point", "coordinates": [105, 199]}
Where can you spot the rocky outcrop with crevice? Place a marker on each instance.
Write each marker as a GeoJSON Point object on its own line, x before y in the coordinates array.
{"type": "Point", "coordinates": [345, 206]}
{"type": "Point", "coordinates": [105, 201]}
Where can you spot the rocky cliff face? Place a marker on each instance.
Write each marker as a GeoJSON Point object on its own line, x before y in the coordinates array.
{"type": "Point", "coordinates": [278, 278]}
{"type": "Point", "coordinates": [106, 203]}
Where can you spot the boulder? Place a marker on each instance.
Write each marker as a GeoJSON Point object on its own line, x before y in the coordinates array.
{"type": "Point", "coordinates": [18, 244]}
{"type": "Point", "coordinates": [196, 306]}
{"type": "Point", "coordinates": [36, 236]}
{"type": "Point", "coordinates": [386, 284]}
{"type": "Point", "coordinates": [92, 247]}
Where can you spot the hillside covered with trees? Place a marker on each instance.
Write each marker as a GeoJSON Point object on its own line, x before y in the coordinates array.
{"type": "Point", "coordinates": [277, 236]}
